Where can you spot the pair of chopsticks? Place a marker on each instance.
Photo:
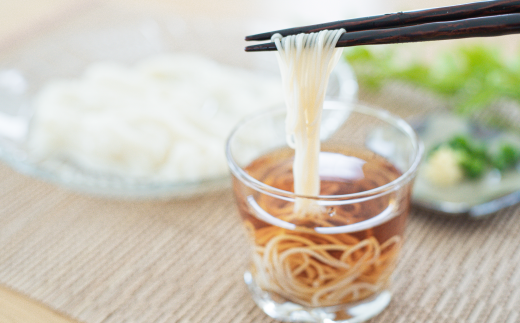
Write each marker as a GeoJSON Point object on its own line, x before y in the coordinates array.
{"type": "Point", "coordinates": [478, 19]}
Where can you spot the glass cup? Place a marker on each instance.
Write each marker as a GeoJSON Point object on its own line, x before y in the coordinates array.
{"type": "Point", "coordinates": [330, 257]}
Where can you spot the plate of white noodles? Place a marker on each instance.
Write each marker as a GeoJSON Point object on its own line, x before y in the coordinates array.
{"type": "Point", "coordinates": [127, 109]}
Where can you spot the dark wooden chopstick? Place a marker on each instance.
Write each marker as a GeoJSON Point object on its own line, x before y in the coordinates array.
{"type": "Point", "coordinates": [401, 19]}
{"type": "Point", "coordinates": [474, 27]}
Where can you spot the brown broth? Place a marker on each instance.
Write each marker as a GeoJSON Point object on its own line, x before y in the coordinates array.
{"type": "Point", "coordinates": [323, 283]}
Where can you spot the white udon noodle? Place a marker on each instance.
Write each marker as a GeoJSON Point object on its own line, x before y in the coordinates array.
{"type": "Point", "coordinates": [303, 266]}
{"type": "Point", "coordinates": [306, 61]}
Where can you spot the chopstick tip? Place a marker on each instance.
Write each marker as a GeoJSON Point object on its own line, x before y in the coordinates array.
{"type": "Point", "coordinates": [259, 37]}
{"type": "Point", "coordinates": [261, 47]}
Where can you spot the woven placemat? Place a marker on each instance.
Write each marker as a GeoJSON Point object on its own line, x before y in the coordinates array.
{"type": "Point", "coordinates": [101, 260]}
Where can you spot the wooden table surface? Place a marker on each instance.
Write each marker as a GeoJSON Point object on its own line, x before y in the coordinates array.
{"type": "Point", "coordinates": [15, 307]}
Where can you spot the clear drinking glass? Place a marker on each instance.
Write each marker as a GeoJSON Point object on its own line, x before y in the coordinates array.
{"type": "Point", "coordinates": [334, 263]}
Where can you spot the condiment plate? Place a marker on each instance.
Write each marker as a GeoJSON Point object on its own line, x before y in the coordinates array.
{"type": "Point", "coordinates": [475, 198]}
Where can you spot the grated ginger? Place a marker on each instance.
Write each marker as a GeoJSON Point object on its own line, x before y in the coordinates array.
{"type": "Point", "coordinates": [442, 167]}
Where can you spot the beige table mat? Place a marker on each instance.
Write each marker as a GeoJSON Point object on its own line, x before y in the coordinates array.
{"type": "Point", "coordinates": [182, 260]}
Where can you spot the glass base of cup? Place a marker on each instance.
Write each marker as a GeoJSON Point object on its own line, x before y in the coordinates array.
{"type": "Point", "coordinates": [286, 311]}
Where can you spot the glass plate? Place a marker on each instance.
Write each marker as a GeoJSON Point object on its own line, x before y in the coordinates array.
{"type": "Point", "coordinates": [476, 198]}
{"type": "Point", "coordinates": [473, 198]}
{"type": "Point", "coordinates": [67, 48]}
